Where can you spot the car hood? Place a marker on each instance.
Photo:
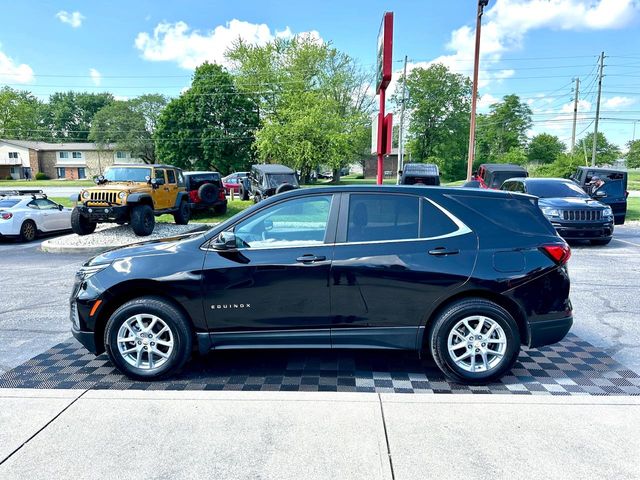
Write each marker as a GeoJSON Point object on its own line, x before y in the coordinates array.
{"type": "Point", "coordinates": [161, 246]}
{"type": "Point", "coordinates": [128, 187]}
{"type": "Point", "coordinates": [570, 202]}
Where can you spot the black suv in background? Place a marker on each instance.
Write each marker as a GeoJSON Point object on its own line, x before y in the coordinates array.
{"type": "Point", "coordinates": [420, 174]}
{"type": "Point", "coordinates": [492, 175]}
{"type": "Point", "coordinates": [464, 275]}
{"type": "Point", "coordinates": [266, 180]}
{"type": "Point", "coordinates": [573, 214]}
{"type": "Point", "coordinates": [606, 185]}
{"type": "Point", "coordinates": [206, 191]}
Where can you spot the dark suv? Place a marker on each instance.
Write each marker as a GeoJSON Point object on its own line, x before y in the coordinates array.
{"type": "Point", "coordinates": [491, 175]}
{"type": "Point", "coordinates": [266, 180]}
{"type": "Point", "coordinates": [606, 185]}
{"type": "Point", "coordinates": [420, 174]}
{"type": "Point", "coordinates": [573, 214]}
{"type": "Point", "coordinates": [465, 275]}
{"type": "Point", "coordinates": [206, 191]}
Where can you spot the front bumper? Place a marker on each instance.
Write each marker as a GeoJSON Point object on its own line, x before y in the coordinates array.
{"type": "Point", "coordinates": [103, 214]}
{"type": "Point", "coordinates": [546, 332]}
{"type": "Point", "coordinates": [583, 231]}
{"type": "Point", "coordinates": [87, 339]}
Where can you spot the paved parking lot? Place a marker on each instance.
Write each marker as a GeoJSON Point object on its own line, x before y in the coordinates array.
{"type": "Point", "coordinates": [601, 357]}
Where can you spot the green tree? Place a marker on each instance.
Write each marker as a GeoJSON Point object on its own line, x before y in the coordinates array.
{"type": "Point", "coordinates": [313, 102]}
{"type": "Point", "coordinates": [606, 152]}
{"type": "Point", "coordinates": [69, 114]}
{"type": "Point", "coordinates": [118, 123]}
{"type": "Point", "coordinates": [544, 148]}
{"type": "Point", "coordinates": [563, 166]}
{"type": "Point", "coordinates": [20, 115]}
{"type": "Point", "coordinates": [633, 155]}
{"type": "Point", "coordinates": [504, 128]}
{"type": "Point", "coordinates": [438, 107]}
{"type": "Point", "coordinates": [516, 155]}
{"type": "Point", "coordinates": [210, 126]}
{"type": "Point", "coordinates": [149, 106]}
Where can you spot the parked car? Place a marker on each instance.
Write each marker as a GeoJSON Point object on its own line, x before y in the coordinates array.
{"type": "Point", "coordinates": [26, 213]}
{"type": "Point", "coordinates": [491, 175]}
{"type": "Point", "coordinates": [266, 180]}
{"type": "Point", "coordinates": [573, 214]}
{"type": "Point", "coordinates": [606, 185]}
{"type": "Point", "coordinates": [420, 174]}
{"type": "Point", "coordinates": [132, 193]}
{"type": "Point", "coordinates": [466, 276]}
{"type": "Point", "coordinates": [206, 191]}
{"type": "Point", "coordinates": [233, 182]}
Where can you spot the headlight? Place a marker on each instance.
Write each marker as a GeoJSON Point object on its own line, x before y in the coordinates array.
{"type": "Point", "coordinates": [88, 271]}
{"type": "Point", "coordinates": [85, 195]}
{"type": "Point", "coordinates": [550, 212]}
{"type": "Point", "coordinates": [607, 212]}
{"type": "Point", "coordinates": [122, 195]}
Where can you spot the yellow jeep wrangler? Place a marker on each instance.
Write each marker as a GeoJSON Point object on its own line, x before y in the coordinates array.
{"type": "Point", "coordinates": [132, 193]}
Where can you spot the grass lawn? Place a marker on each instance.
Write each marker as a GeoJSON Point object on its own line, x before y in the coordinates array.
{"type": "Point", "coordinates": [633, 208]}
{"type": "Point", "coordinates": [45, 183]}
{"type": "Point", "coordinates": [634, 180]}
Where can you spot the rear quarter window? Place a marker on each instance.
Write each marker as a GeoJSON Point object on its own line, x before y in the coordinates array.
{"type": "Point", "coordinates": [434, 221]}
{"type": "Point", "coordinates": [8, 203]}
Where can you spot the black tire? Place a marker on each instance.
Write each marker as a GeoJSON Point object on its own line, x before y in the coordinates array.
{"type": "Point", "coordinates": [285, 187]}
{"type": "Point", "coordinates": [446, 322]}
{"type": "Point", "coordinates": [208, 193]}
{"type": "Point", "coordinates": [220, 209]}
{"type": "Point", "coordinates": [244, 193]}
{"type": "Point", "coordinates": [257, 198]}
{"type": "Point", "coordinates": [601, 241]}
{"type": "Point", "coordinates": [179, 329]}
{"type": "Point", "coordinates": [80, 224]}
{"type": "Point", "coordinates": [142, 220]}
{"type": "Point", "coordinates": [28, 231]}
{"type": "Point", "coordinates": [181, 217]}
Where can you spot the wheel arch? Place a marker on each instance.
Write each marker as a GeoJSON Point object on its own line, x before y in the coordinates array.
{"type": "Point", "coordinates": [140, 199]}
{"type": "Point", "coordinates": [122, 293]}
{"type": "Point", "coordinates": [509, 305]}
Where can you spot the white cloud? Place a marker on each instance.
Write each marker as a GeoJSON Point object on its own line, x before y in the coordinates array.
{"type": "Point", "coordinates": [177, 42]}
{"type": "Point", "coordinates": [12, 72]}
{"type": "Point", "coordinates": [96, 76]}
{"type": "Point", "coordinates": [74, 19]}
{"type": "Point", "coordinates": [618, 102]}
{"type": "Point", "coordinates": [486, 100]}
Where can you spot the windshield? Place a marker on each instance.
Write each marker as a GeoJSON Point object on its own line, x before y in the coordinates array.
{"type": "Point", "coordinates": [8, 203]}
{"type": "Point", "coordinates": [555, 190]}
{"type": "Point", "coordinates": [276, 179]}
{"type": "Point", "coordinates": [124, 174]}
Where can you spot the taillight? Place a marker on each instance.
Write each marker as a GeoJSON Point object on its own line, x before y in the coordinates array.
{"type": "Point", "coordinates": [558, 253]}
{"type": "Point", "coordinates": [221, 194]}
{"type": "Point", "coordinates": [7, 216]}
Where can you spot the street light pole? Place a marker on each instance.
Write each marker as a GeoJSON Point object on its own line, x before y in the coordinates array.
{"type": "Point", "coordinates": [474, 94]}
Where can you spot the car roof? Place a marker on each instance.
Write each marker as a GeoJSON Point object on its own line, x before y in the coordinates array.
{"type": "Point", "coordinates": [503, 167]}
{"type": "Point", "coordinates": [272, 168]}
{"type": "Point", "coordinates": [420, 169]}
{"type": "Point", "coordinates": [602, 169]}
{"type": "Point", "coordinates": [200, 173]}
{"type": "Point", "coordinates": [541, 180]}
{"type": "Point", "coordinates": [139, 165]}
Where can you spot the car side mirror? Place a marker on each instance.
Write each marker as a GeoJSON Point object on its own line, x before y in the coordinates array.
{"type": "Point", "coordinates": [226, 241]}
{"type": "Point", "coordinates": [60, 207]}
{"type": "Point", "coordinates": [600, 194]}
{"type": "Point", "coordinates": [156, 182]}
{"type": "Point", "coordinates": [99, 180]}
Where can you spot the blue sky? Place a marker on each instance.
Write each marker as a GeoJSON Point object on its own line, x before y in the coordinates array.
{"type": "Point", "coordinates": [531, 48]}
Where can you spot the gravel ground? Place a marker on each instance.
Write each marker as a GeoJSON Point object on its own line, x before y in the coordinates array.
{"type": "Point", "coordinates": [107, 235]}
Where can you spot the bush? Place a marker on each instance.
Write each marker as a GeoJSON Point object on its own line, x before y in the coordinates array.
{"type": "Point", "coordinates": [563, 166]}
{"type": "Point", "coordinates": [42, 176]}
{"type": "Point", "coordinates": [8, 177]}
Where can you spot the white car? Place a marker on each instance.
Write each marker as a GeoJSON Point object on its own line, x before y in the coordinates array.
{"type": "Point", "coordinates": [25, 214]}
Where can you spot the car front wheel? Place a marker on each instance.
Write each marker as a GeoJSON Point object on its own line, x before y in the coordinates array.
{"type": "Point", "coordinates": [148, 338]}
{"type": "Point", "coordinates": [474, 341]}
{"type": "Point", "coordinates": [142, 220]}
{"type": "Point", "coordinates": [80, 224]}
{"type": "Point", "coordinates": [28, 231]}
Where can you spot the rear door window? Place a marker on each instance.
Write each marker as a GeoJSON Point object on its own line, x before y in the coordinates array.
{"type": "Point", "coordinates": [382, 217]}
{"type": "Point", "coordinates": [171, 176]}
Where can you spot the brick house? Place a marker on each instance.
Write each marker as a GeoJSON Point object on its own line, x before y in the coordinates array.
{"type": "Point", "coordinates": [73, 161]}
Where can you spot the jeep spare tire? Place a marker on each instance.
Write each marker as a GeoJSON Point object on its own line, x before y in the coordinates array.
{"type": "Point", "coordinates": [285, 187]}
{"type": "Point", "coordinates": [208, 192]}
{"type": "Point", "coordinates": [142, 220]}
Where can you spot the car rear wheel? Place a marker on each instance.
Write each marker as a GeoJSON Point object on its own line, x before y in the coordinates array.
{"type": "Point", "coordinates": [148, 338]}
{"type": "Point", "coordinates": [28, 231]}
{"type": "Point", "coordinates": [257, 198]}
{"type": "Point", "coordinates": [142, 220]}
{"type": "Point", "coordinates": [80, 224]}
{"type": "Point", "coordinates": [601, 241]}
{"type": "Point", "coordinates": [474, 341]}
{"type": "Point", "coordinates": [181, 217]}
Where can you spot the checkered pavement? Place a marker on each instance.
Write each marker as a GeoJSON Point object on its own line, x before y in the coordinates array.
{"type": "Point", "coordinates": [571, 367]}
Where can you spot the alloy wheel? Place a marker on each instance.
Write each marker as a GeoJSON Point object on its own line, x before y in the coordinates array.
{"type": "Point", "coordinates": [477, 344]}
{"type": "Point", "coordinates": [145, 341]}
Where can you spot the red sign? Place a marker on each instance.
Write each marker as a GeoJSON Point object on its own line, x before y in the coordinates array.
{"type": "Point", "coordinates": [385, 47]}
{"type": "Point", "coordinates": [388, 134]}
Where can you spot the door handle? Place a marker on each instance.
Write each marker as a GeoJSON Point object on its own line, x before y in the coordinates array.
{"type": "Point", "coordinates": [442, 251]}
{"type": "Point", "coordinates": [310, 258]}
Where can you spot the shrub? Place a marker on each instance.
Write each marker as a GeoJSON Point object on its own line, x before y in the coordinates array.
{"type": "Point", "coordinates": [42, 176]}
{"type": "Point", "coordinates": [8, 177]}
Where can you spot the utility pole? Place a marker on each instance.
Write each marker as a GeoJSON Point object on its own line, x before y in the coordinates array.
{"type": "Point", "coordinates": [575, 115]}
{"type": "Point", "coordinates": [401, 132]}
{"type": "Point", "coordinates": [474, 93]}
{"type": "Point", "coordinates": [595, 128]}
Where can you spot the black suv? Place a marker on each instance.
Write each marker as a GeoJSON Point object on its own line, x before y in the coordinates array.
{"type": "Point", "coordinates": [573, 214]}
{"type": "Point", "coordinates": [606, 185]}
{"type": "Point", "coordinates": [420, 174]}
{"type": "Point", "coordinates": [266, 180]}
{"type": "Point", "coordinates": [206, 191]}
{"type": "Point", "coordinates": [465, 275]}
{"type": "Point", "coordinates": [492, 175]}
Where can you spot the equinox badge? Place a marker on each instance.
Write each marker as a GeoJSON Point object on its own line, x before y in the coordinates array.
{"type": "Point", "coordinates": [230, 305]}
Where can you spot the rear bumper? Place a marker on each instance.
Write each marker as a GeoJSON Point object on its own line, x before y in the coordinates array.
{"type": "Point", "coordinates": [105, 214]}
{"type": "Point", "coordinates": [204, 205]}
{"type": "Point", "coordinates": [585, 231]}
{"type": "Point", "coordinates": [546, 332]}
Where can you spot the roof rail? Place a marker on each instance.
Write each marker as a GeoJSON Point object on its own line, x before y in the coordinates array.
{"type": "Point", "coordinates": [21, 191]}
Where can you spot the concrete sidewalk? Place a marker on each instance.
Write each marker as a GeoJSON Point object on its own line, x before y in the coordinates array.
{"type": "Point", "coordinates": [159, 434]}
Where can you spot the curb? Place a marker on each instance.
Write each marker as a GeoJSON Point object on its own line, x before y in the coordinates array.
{"type": "Point", "coordinates": [50, 247]}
